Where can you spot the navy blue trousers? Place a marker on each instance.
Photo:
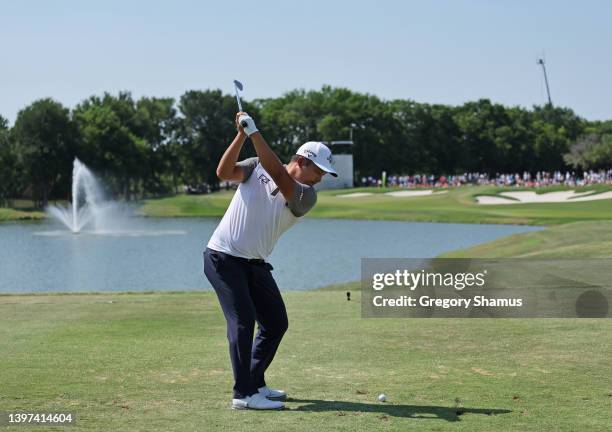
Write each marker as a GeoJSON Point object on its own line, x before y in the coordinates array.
{"type": "Point", "coordinates": [248, 294]}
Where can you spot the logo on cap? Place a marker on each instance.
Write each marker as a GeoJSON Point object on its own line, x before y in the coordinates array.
{"type": "Point", "coordinates": [310, 153]}
{"type": "Point", "coordinates": [330, 159]}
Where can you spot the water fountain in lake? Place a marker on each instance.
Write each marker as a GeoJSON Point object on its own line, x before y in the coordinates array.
{"type": "Point", "coordinates": [88, 208]}
{"type": "Point", "coordinates": [90, 212]}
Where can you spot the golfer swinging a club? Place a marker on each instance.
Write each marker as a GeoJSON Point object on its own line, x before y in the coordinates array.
{"type": "Point", "coordinates": [270, 199]}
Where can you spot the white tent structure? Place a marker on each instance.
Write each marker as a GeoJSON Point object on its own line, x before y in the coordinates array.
{"type": "Point", "coordinates": [343, 164]}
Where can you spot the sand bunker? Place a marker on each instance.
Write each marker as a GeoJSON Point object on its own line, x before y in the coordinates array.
{"type": "Point", "coordinates": [550, 197]}
{"type": "Point", "coordinates": [403, 193]}
{"type": "Point", "coordinates": [413, 193]}
{"type": "Point", "coordinates": [355, 195]}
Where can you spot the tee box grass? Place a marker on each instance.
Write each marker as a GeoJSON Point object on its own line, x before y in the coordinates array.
{"type": "Point", "coordinates": [159, 361]}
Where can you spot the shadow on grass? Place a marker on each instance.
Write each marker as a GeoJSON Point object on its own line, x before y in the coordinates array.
{"type": "Point", "coordinates": [451, 414]}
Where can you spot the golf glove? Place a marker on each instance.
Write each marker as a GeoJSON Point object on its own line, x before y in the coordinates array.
{"type": "Point", "coordinates": [248, 124]}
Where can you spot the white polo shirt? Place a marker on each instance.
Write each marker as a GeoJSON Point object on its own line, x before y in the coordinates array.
{"type": "Point", "coordinates": [259, 214]}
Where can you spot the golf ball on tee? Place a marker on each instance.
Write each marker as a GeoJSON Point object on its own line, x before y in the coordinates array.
{"type": "Point", "coordinates": [382, 397]}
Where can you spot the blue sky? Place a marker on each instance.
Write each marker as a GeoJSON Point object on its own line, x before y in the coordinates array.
{"type": "Point", "coordinates": [430, 51]}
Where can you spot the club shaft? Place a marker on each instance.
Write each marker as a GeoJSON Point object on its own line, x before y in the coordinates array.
{"type": "Point", "coordinates": [238, 98]}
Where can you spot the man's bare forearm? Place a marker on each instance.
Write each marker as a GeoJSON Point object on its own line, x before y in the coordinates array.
{"type": "Point", "coordinates": [226, 166]}
{"type": "Point", "coordinates": [267, 157]}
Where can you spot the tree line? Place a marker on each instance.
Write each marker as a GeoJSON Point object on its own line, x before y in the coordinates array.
{"type": "Point", "coordinates": [153, 146]}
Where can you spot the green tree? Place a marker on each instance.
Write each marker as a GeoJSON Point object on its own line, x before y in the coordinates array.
{"type": "Point", "coordinates": [146, 146]}
{"type": "Point", "coordinates": [290, 120]}
{"type": "Point", "coordinates": [554, 129]}
{"type": "Point", "coordinates": [157, 123]}
{"type": "Point", "coordinates": [112, 142]}
{"type": "Point", "coordinates": [591, 151]}
{"type": "Point", "coordinates": [207, 127]}
{"type": "Point", "coordinates": [486, 136]}
{"type": "Point", "coordinates": [10, 172]}
{"type": "Point", "coordinates": [44, 138]}
{"type": "Point", "coordinates": [432, 139]}
{"type": "Point", "coordinates": [328, 115]}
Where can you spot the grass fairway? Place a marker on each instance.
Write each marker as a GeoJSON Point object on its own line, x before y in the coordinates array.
{"type": "Point", "coordinates": [575, 240]}
{"type": "Point", "coordinates": [456, 205]}
{"type": "Point", "coordinates": [7, 214]}
{"type": "Point", "coordinates": [160, 362]}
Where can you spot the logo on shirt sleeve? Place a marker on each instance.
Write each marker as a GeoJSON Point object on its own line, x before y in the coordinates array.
{"type": "Point", "coordinates": [263, 179]}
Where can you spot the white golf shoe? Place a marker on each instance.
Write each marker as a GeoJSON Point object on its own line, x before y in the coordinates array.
{"type": "Point", "coordinates": [276, 395]}
{"type": "Point", "coordinates": [257, 402]}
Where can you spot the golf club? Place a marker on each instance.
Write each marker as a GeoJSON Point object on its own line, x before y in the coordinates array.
{"type": "Point", "coordinates": [238, 86]}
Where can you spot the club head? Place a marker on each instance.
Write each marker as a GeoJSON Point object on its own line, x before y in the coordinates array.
{"type": "Point", "coordinates": [238, 85]}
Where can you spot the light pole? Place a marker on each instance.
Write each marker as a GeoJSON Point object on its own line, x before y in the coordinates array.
{"type": "Point", "coordinates": [352, 127]}
{"type": "Point", "coordinates": [541, 62]}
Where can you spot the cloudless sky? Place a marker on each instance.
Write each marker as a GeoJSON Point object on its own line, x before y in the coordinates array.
{"type": "Point", "coordinates": [445, 52]}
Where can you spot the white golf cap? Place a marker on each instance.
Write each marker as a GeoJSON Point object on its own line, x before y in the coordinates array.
{"type": "Point", "coordinates": [320, 154]}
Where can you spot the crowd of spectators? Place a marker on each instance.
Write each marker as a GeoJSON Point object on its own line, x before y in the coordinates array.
{"type": "Point", "coordinates": [525, 179]}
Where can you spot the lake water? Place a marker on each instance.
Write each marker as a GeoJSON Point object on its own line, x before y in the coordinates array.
{"type": "Point", "coordinates": [166, 254]}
